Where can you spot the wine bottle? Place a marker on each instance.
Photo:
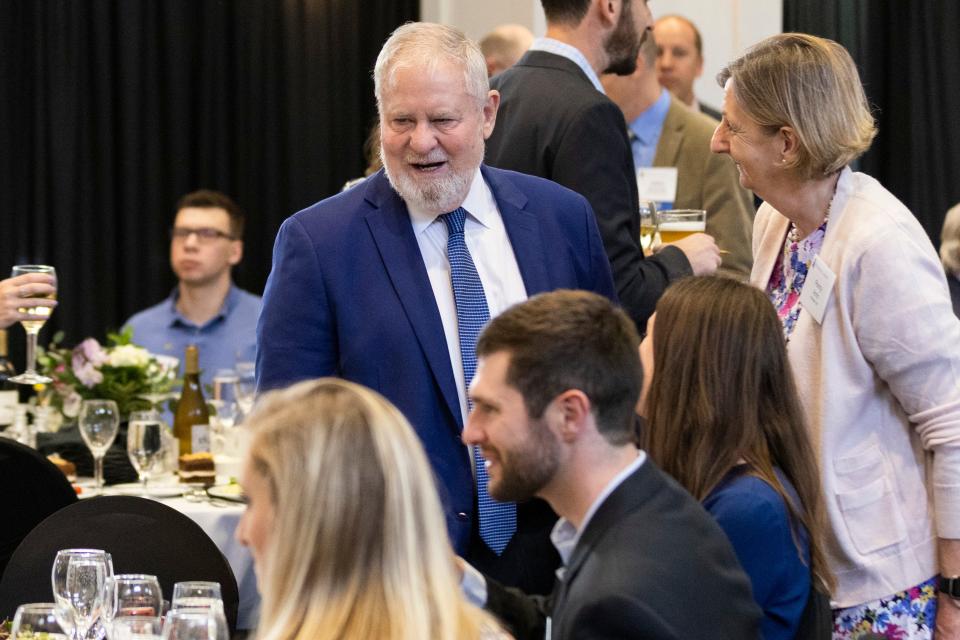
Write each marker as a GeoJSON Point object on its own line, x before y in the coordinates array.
{"type": "Point", "coordinates": [191, 422]}
{"type": "Point", "coordinates": [9, 394]}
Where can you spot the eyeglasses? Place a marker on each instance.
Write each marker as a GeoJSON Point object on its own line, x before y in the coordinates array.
{"type": "Point", "coordinates": [204, 234]}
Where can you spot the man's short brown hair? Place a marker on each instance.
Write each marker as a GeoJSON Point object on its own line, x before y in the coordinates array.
{"type": "Point", "coordinates": [210, 199]}
{"type": "Point", "coordinates": [571, 340]}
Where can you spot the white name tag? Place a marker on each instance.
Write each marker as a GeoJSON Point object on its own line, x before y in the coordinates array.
{"type": "Point", "coordinates": [817, 289]}
{"type": "Point", "coordinates": [200, 438]}
{"type": "Point", "coordinates": [657, 183]}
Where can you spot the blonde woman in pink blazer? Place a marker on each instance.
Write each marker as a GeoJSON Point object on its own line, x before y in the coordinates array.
{"type": "Point", "coordinates": [872, 338]}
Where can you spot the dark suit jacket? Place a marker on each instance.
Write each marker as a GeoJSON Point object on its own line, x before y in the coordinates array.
{"type": "Point", "coordinates": [553, 123]}
{"type": "Point", "coordinates": [652, 564]}
{"type": "Point", "coordinates": [349, 296]}
{"type": "Point", "coordinates": [710, 181]}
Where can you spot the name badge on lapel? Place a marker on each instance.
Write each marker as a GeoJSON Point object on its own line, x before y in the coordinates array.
{"type": "Point", "coordinates": [657, 183]}
{"type": "Point", "coordinates": [817, 289]}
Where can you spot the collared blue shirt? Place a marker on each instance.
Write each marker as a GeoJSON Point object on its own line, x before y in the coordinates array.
{"type": "Point", "coordinates": [570, 53]}
{"type": "Point", "coordinates": [227, 338]}
{"type": "Point", "coordinates": [645, 131]}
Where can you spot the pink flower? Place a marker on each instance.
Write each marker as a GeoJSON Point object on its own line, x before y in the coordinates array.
{"type": "Point", "coordinates": [88, 375]}
{"type": "Point", "coordinates": [91, 351]}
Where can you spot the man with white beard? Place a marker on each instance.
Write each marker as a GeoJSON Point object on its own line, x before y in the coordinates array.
{"type": "Point", "coordinates": [389, 283]}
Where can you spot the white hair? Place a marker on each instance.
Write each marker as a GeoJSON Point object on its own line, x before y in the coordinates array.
{"type": "Point", "coordinates": [425, 44]}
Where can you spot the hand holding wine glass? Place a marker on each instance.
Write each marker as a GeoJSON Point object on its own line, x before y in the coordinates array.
{"type": "Point", "coordinates": [32, 291]}
{"type": "Point", "coordinates": [99, 422]}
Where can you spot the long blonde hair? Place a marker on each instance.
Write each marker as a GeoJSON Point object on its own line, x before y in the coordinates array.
{"type": "Point", "coordinates": [359, 547]}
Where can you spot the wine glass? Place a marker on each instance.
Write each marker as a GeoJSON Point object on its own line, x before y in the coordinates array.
{"type": "Point", "coordinates": [132, 595]}
{"type": "Point", "coordinates": [135, 628]}
{"type": "Point", "coordinates": [196, 594]}
{"type": "Point", "coordinates": [145, 444]}
{"type": "Point", "coordinates": [99, 421]}
{"type": "Point", "coordinates": [37, 620]}
{"type": "Point", "coordinates": [79, 587]}
{"type": "Point", "coordinates": [195, 624]}
{"type": "Point", "coordinates": [648, 225]}
{"type": "Point", "coordinates": [32, 327]}
{"type": "Point", "coordinates": [246, 386]}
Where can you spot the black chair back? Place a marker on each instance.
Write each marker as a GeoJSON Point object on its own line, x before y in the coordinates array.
{"type": "Point", "coordinates": [141, 535]}
{"type": "Point", "coordinates": [31, 488]}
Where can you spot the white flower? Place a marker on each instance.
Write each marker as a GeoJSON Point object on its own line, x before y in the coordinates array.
{"type": "Point", "coordinates": [71, 404]}
{"type": "Point", "coordinates": [128, 355]}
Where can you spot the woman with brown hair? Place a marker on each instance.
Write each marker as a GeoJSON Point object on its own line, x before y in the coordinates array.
{"type": "Point", "coordinates": [723, 418]}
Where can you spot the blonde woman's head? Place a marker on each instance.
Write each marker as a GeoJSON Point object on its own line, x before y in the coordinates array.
{"type": "Point", "coordinates": [351, 541]}
{"type": "Point", "coordinates": [950, 241]}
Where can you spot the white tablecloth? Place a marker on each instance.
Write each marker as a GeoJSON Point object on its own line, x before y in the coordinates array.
{"type": "Point", "coordinates": [220, 522]}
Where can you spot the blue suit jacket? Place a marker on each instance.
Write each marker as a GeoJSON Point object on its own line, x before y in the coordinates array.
{"type": "Point", "coordinates": [349, 296]}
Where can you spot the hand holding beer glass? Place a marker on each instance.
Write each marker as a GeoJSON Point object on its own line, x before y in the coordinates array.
{"type": "Point", "coordinates": [677, 224]}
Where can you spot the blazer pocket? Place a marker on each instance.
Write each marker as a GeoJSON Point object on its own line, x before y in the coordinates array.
{"type": "Point", "coordinates": [872, 516]}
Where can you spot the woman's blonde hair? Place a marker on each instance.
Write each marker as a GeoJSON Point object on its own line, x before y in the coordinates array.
{"type": "Point", "coordinates": [950, 241]}
{"type": "Point", "coordinates": [359, 546]}
{"type": "Point", "coordinates": [811, 85]}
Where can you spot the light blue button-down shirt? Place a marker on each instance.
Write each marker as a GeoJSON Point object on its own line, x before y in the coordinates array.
{"type": "Point", "coordinates": [645, 130]}
{"type": "Point", "coordinates": [227, 338]}
{"type": "Point", "coordinates": [570, 53]}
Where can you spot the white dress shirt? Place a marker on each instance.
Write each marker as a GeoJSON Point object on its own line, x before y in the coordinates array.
{"type": "Point", "coordinates": [489, 245]}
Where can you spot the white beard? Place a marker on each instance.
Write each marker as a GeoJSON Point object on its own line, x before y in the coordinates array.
{"type": "Point", "coordinates": [440, 195]}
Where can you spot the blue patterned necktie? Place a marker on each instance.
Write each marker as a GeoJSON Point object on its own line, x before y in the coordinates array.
{"type": "Point", "coordinates": [498, 520]}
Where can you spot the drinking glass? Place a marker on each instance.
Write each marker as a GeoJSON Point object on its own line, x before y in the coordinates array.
{"type": "Point", "coordinates": [32, 327]}
{"type": "Point", "coordinates": [677, 224]}
{"type": "Point", "coordinates": [99, 421]}
{"type": "Point", "coordinates": [37, 620]}
{"type": "Point", "coordinates": [65, 582]}
{"type": "Point", "coordinates": [135, 628]}
{"type": "Point", "coordinates": [132, 594]}
{"type": "Point", "coordinates": [145, 444]}
{"type": "Point", "coordinates": [648, 225]}
{"type": "Point", "coordinates": [195, 624]}
{"type": "Point", "coordinates": [196, 594]}
{"type": "Point", "coordinates": [246, 386]}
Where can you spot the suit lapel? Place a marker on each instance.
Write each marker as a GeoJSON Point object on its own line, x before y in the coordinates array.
{"type": "Point", "coordinates": [668, 147]}
{"type": "Point", "coordinates": [389, 223]}
{"type": "Point", "coordinates": [523, 229]}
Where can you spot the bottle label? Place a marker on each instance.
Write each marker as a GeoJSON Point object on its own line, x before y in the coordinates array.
{"type": "Point", "coordinates": [200, 438]}
{"type": "Point", "coordinates": [8, 402]}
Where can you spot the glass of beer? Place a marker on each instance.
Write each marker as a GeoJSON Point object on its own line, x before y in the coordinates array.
{"type": "Point", "coordinates": [677, 224]}
{"type": "Point", "coordinates": [648, 225]}
{"type": "Point", "coordinates": [32, 327]}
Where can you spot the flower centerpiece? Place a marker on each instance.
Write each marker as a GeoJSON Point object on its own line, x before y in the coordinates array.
{"type": "Point", "coordinates": [121, 371]}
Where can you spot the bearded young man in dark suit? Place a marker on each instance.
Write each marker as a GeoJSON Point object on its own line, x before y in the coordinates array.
{"type": "Point", "coordinates": [557, 382]}
{"type": "Point", "coordinates": [362, 285]}
{"type": "Point", "coordinates": [555, 122]}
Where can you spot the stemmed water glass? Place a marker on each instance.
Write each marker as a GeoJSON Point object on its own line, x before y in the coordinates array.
{"type": "Point", "coordinates": [37, 620]}
{"type": "Point", "coordinates": [79, 580]}
{"type": "Point", "coordinates": [32, 327]}
{"type": "Point", "coordinates": [99, 422]}
{"type": "Point", "coordinates": [246, 386]}
{"type": "Point", "coordinates": [135, 628]}
{"type": "Point", "coordinates": [132, 606]}
{"type": "Point", "coordinates": [145, 444]}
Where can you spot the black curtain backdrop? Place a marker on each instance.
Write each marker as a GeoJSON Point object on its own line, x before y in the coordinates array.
{"type": "Point", "coordinates": [909, 58]}
{"type": "Point", "coordinates": [111, 110]}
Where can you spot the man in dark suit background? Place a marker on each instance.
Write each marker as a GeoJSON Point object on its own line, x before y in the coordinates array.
{"type": "Point", "coordinates": [558, 378]}
{"type": "Point", "coordinates": [367, 284]}
{"type": "Point", "coordinates": [555, 122]}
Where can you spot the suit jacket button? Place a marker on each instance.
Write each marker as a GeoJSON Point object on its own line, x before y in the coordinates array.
{"type": "Point", "coordinates": [463, 517]}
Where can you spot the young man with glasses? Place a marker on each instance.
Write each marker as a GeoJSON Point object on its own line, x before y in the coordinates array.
{"type": "Point", "coordinates": [205, 308]}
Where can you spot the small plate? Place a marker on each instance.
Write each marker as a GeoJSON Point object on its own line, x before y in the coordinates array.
{"type": "Point", "coordinates": [231, 492]}
{"type": "Point", "coordinates": [153, 491]}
